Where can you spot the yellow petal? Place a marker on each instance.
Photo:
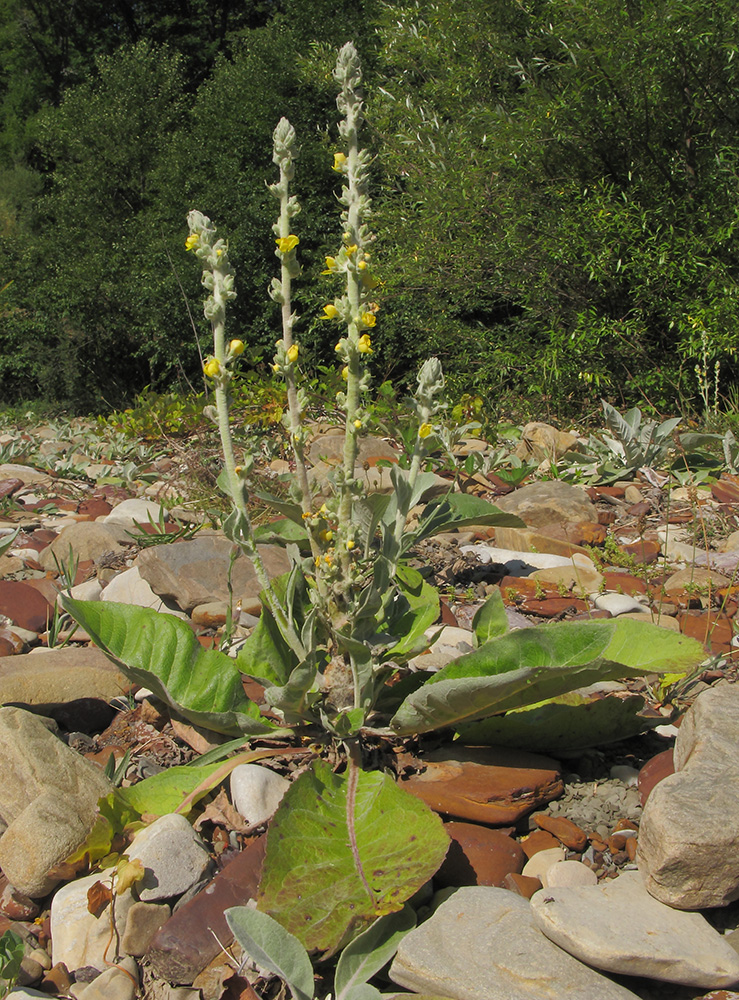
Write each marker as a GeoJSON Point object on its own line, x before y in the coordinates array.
{"type": "Point", "coordinates": [287, 243]}
{"type": "Point", "coordinates": [330, 311]}
{"type": "Point", "coordinates": [192, 241]}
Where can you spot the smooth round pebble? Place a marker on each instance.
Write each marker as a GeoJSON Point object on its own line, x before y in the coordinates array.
{"type": "Point", "coordinates": [256, 791]}
{"type": "Point", "coordinates": [566, 874]}
{"type": "Point", "coordinates": [542, 861]}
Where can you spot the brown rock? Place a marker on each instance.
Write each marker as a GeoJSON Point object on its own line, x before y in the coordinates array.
{"type": "Point", "coordinates": [10, 486]}
{"type": "Point", "coordinates": [624, 583]}
{"type": "Point", "coordinates": [524, 540]}
{"type": "Point", "coordinates": [14, 904]}
{"type": "Point", "coordinates": [543, 502]}
{"type": "Point", "coordinates": [726, 490]}
{"type": "Point", "coordinates": [586, 533]}
{"type": "Point", "coordinates": [478, 855]}
{"type": "Point", "coordinates": [24, 605]}
{"type": "Point", "coordinates": [523, 885]}
{"type": "Point", "coordinates": [631, 847]}
{"type": "Point", "coordinates": [553, 607]}
{"type": "Point", "coordinates": [517, 588]}
{"type": "Point", "coordinates": [658, 767]}
{"type": "Point", "coordinates": [713, 630]}
{"type": "Point", "coordinates": [10, 644]}
{"type": "Point", "coordinates": [566, 832]}
{"type": "Point", "coordinates": [58, 676]}
{"type": "Point", "coordinates": [57, 980]}
{"type": "Point", "coordinates": [94, 507]}
{"type": "Point", "coordinates": [643, 550]}
{"type": "Point", "coordinates": [187, 942]}
{"type": "Point", "coordinates": [486, 785]}
{"type": "Point", "coordinates": [537, 841]}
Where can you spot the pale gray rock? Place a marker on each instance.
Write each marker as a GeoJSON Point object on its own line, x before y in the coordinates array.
{"type": "Point", "coordinates": [136, 510]}
{"type": "Point", "coordinates": [549, 502]}
{"type": "Point", "coordinates": [256, 791]}
{"type": "Point", "coordinates": [129, 587]}
{"type": "Point", "coordinates": [539, 864]}
{"type": "Point", "coordinates": [29, 476]}
{"type": "Point", "coordinates": [516, 563]}
{"type": "Point", "coordinates": [142, 923]}
{"type": "Point", "coordinates": [173, 855]}
{"type": "Point", "coordinates": [196, 572]}
{"type": "Point", "coordinates": [48, 798]}
{"type": "Point", "coordinates": [59, 675]}
{"type": "Point", "coordinates": [689, 833]}
{"type": "Point", "coordinates": [25, 993]}
{"type": "Point", "coordinates": [78, 938]}
{"type": "Point", "coordinates": [540, 441]}
{"type": "Point", "coordinates": [482, 944]}
{"type": "Point", "coordinates": [568, 874]}
{"type": "Point", "coordinates": [695, 576]}
{"type": "Point", "coordinates": [114, 984]}
{"type": "Point", "coordinates": [618, 604]}
{"type": "Point", "coordinates": [87, 540]}
{"type": "Point", "coordinates": [88, 590]}
{"type": "Point", "coordinates": [618, 927]}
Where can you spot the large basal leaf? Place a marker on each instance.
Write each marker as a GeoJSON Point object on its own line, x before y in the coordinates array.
{"type": "Point", "coordinates": [423, 611]}
{"type": "Point", "coordinates": [160, 652]}
{"type": "Point", "coordinates": [490, 620]}
{"type": "Point", "coordinates": [457, 510]}
{"type": "Point", "coordinates": [553, 727]}
{"type": "Point", "coordinates": [532, 665]}
{"type": "Point", "coordinates": [273, 948]}
{"type": "Point", "coordinates": [343, 849]}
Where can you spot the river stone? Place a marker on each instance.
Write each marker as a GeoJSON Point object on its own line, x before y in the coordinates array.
{"type": "Point", "coordinates": [689, 834]}
{"type": "Point", "coordinates": [136, 509]}
{"type": "Point", "coordinates": [549, 502]}
{"type": "Point", "coordinates": [55, 676]}
{"type": "Point", "coordinates": [256, 791]}
{"type": "Point", "coordinates": [173, 855]}
{"type": "Point", "coordinates": [482, 944]}
{"type": "Point", "coordinates": [618, 927]}
{"type": "Point", "coordinates": [78, 937]}
{"type": "Point", "coordinates": [48, 798]}
{"type": "Point", "coordinates": [87, 540]}
{"type": "Point", "coordinates": [196, 572]}
{"type": "Point", "coordinates": [540, 441]}
{"type": "Point", "coordinates": [128, 587]}
{"type": "Point", "coordinates": [24, 472]}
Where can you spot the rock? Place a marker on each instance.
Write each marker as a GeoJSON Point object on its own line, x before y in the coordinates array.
{"type": "Point", "coordinates": [136, 510]}
{"type": "Point", "coordinates": [60, 675]}
{"type": "Point", "coordinates": [87, 540]}
{"type": "Point", "coordinates": [541, 441]}
{"type": "Point", "coordinates": [566, 832]}
{"type": "Point", "coordinates": [618, 927]}
{"type": "Point", "coordinates": [663, 621]}
{"type": "Point", "coordinates": [173, 855]}
{"type": "Point", "coordinates": [549, 501]}
{"type": "Point", "coordinates": [658, 767]}
{"type": "Point", "coordinates": [568, 874]}
{"type": "Point", "coordinates": [539, 864]}
{"type": "Point", "coordinates": [618, 604]}
{"type": "Point", "coordinates": [187, 942]}
{"type": "Point", "coordinates": [128, 587]}
{"type": "Point", "coordinates": [119, 983]}
{"type": "Point", "coordinates": [695, 576]}
{"type": "Point", "coordinates": [257, 791]}
{"type": "Point", "coordinates": [329, 448]}
{"type": "Point", "coordinates": [689, 835]}
{"type": "Point", "coordinates": [481, 944]}
{"type": "Point", "coordinates": [142, 923]}
{"type": "Point", "coordinates": [486, 785]}
{"type": "Point", "coordinates": [24, 605]}
{"type": "Point", "coordinates": [78, 938]}
{"type": "Point", "coordinates": [537, 841]}
{"type": "Point", "coordinates": [88, 590]}
{"type": "Point", "coordinates": [196, 572]}
{"type": "Point", "coordinates": [516, 563]}
{"type": "Point", "coordinates": [580, 576]}
{"type": "Point", "coordinates": [44, 786]}
{"type": "Point", "coordinates": [523, 540]}
{"type": "Point", "coordinates": [211, 615]}
{"type": "Point", "coordinates": [14, 904]}
{"type": "Point", "coordinates": [25, 473]}
{"type": "Point", "coordinates": [478, 855]}
{"type": "Point", "coordinates": [522, 885]}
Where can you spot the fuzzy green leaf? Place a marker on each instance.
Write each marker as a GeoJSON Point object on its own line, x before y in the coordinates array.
{"type": "Point", "coordinates": [490, 620]}
{"type": "Point", "coordinates": [528, 666]}
{"type": "Point", "coordinates": [457, 510]}
{"type": "Point", "coordinates": [343, 850]}
{"type": "Point", "coordinates": [273, 948]}
{"type": "Point", "coordinates": [160, 652]}
{"type": "Point", "coordinates": [370, 950]}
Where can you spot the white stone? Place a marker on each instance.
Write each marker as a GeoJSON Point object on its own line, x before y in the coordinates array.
{"type": "Point", "coordinates": [539, 863]}
{"type": "Point", "coordinates": [617, 604]}
{"type": "Point", "coordinates": [90, 590]}
{"type": "Point", "coordinates": [129, 587]}
{"type": "Point", "coordinates": [77, 937]}
{"type": "Point", "coordinates": [618, 927]}
{"type": "Point", "coordinates": [115, 984]}
{"type": "Point", "coordinates": [256, 791]}
{"type": "Point", "coordinates": [517, 563]}
{"type": "Point", "coordinates": [568, 873]}
{"type": "Point", "coordinates": [481, 944]}
{"type": "Point", "coordinates": [173, 855]}
{"type": "Point", "coordinates": [138, 510]}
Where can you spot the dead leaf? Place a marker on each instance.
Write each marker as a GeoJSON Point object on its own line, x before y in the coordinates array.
{"type": "Point", "coordinates": [99, 896]}
{"type": "Point", "coordinates": [127, 873]}
{"type": "Point", "coordinates": [220, 812]}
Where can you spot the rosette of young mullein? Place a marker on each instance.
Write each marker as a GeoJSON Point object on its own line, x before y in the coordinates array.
{"type": "Point", "coordinates": [354, 308]}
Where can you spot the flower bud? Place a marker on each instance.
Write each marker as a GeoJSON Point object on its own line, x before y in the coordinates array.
{"type": "Point", "coordinates": [211, 367]}
{"type": "Point", "coordinates": [330, 312]}
{"type": "Point", "coordinates": [340, 163]}
{"type": "Point", "coordinates": [424, 430]}
{"type": "Point", "coordinates": [292, 353]}
{"type": "Point", "coordinates": [235, 348]}
{"type": "Point", "coordinates": [364, 344]}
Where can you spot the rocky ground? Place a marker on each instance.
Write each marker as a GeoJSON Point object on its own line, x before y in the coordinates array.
{"type": "Point", "coordinates": [642, 893]}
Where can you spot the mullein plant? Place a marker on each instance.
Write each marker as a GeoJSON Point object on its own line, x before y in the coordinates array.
{"type": "Point", "coordinates": [341, 640]}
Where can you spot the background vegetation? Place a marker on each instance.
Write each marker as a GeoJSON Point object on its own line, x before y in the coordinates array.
{"type": "Point", "coordinates": [556, 189]}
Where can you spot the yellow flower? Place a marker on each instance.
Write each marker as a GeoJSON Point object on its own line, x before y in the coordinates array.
{"type": "Point", "coordinates": [351, 249]}
{"type": "Point", "coordinates": [339, 162]}
{"type": "Point", "coordinates": [362, 265]}
{"type": "Point", "coordinates": [350, 543]}
{"type": "Point", "coordinates": [292, 353]}
{"type": "Point", "coordinates": [192, 241]}
{"type": "Point", "coordinates": [236, 347]}
{"type": "Point", "coordinates": [287, 243]}
{"type": "Point", "coordinates": [327, 535]}
{"type": "Point", "coordinates": [345, 372]}
{"type": "Point", "coordinates": [330, 265]}
{"type": "Point", "coordinates": [368, 319]}
{"type": "Point", "coordinates": [364, 344]}
{"type": "Point", "coordinates": [424, 430]}
{"type": "Point", "coordinates": [211, 367]}
{"type": "Point", "coordinates": [358, 424]}
{"type": "Point", "coordinates": [330, 312]}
